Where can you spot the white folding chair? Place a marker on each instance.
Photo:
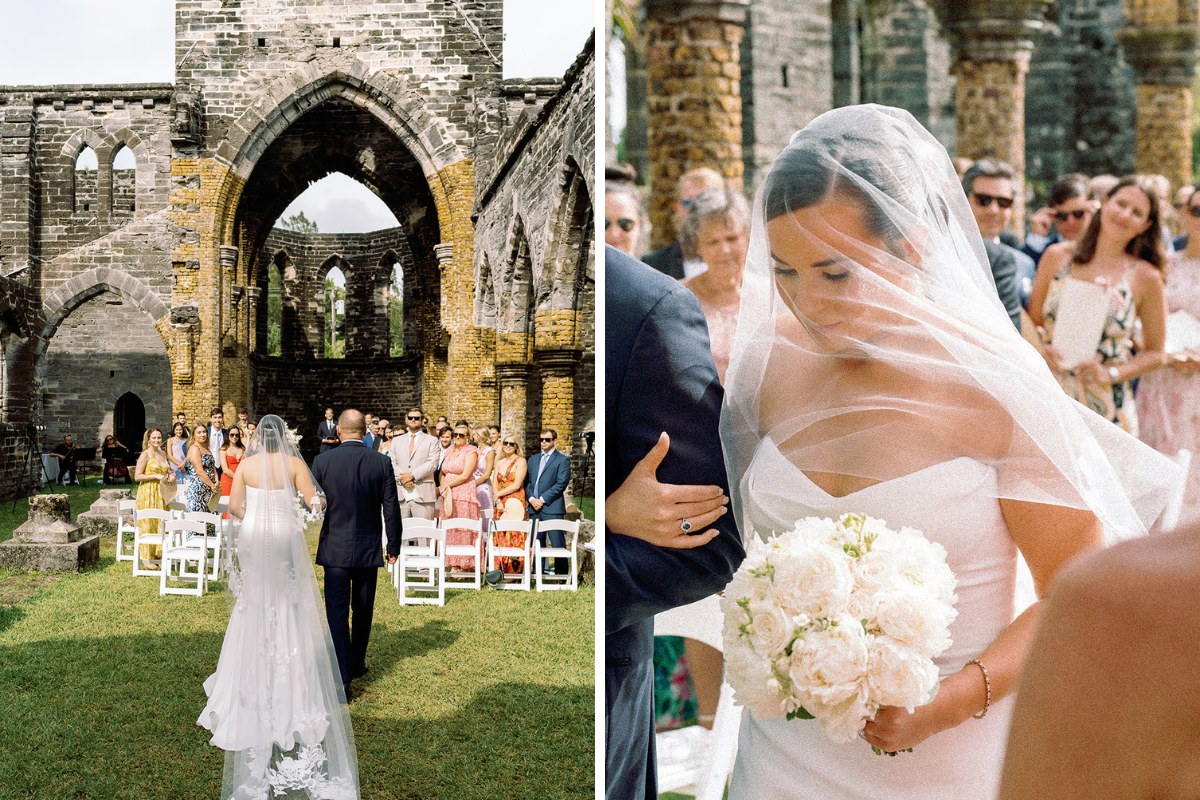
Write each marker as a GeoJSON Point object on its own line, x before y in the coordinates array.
{"type": "Point", "coordinates": [496, 551]}
{"type": "Point", "coordinates": [474, 551]}
{"type": "Point", "coordinates": [140, 538]}
{"type": "Point", "coordinates": [185, 544]}
{"type": "Point", "coordinates": [570, 581]}
{"type": "Point", "coordinates": [126, 526]}
{"type": "Point", "coordinates": [212, 539]}
{"type": "Point", "coordinates": [695, 760]}
{"type": "Point", "coordinates": [418, 544]}
{"type": "Point", "coordinates": [421, 566]}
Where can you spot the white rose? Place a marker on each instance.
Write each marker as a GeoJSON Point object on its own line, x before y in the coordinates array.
{"type": "Point", "coordinates": [770, 629]}
{"type": "Point", "coordinates": [899, 676]}
{"type": "Point", "coordinates": [813, 579]}
{"type": "Point", "coordinates": [915, 619]}
{"type": "Point", "coordinates": [873, 571]}
{"type": "Point", "coordinates": [750, 676]}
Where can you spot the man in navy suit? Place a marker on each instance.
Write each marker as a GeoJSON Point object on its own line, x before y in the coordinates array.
{"type": "Point", "coordinates": [217, 434]}
{"type": "Point", "coordinates": [659, 377]}
{"type": "Point", "coordinates": [545, 484]}
{"type": "Point", "coordinates": [327, 432]}
{"type": "Point", "coordinates": [357, 483]}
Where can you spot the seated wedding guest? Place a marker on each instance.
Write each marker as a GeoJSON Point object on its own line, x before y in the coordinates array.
{"type": "Point", "coordinates": [508, 497]}
{"type": "Point", "coordinates": [625, 224]}
{"type": "Point", "coordinates": [670, 259]}
{"type": "Point", "coordinates": [153, 474]}
{"type": "Point", "coordinates": [114, 454]}
{"type": "Point", "coordinates": [1066, 215]}
{"type": "Point", "coordinates": [1121, 250]}
{"type": "Point", "coordinates": [1105, 701]}
{"type": "Point", "coordinates": [1169, 399]}
{"type": "Point", "coordinates": [483, 474]}
{"type": "Point", "coordinates": [717, 231]}
{"type": "Point", "coordinates": [201, 469]}
{"type": "Point", "coordinates": [458, 484]}
{"type": "Point", "coordinates": [176, 448]}
{"type": "Point", "coordinates": [232, 451]}
{"type": "Point", "coordinates": [68, 459]}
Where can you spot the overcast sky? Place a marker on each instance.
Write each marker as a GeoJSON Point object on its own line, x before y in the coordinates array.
{"type": "Point", "coordinates": [133, 41]}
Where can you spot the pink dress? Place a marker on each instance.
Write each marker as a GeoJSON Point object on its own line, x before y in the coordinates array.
{"type": "Point", "coordinates": [1168, 401]}
{"type": "Point", "coordinates": [466, 503]}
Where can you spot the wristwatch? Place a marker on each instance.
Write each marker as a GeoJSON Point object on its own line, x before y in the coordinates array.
{"type": "Point", "coordinates": [1112, 374]}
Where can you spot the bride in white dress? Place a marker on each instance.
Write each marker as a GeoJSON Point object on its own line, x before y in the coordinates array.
{"type": "Point", "coordinates": [275, 702]}
{"type": "Point", "coordinates": [874, 370]}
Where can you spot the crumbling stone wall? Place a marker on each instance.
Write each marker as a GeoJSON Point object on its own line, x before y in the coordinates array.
{"type": "Point", "coordinates": [534, 280]}
{"type": "Point", "coordinates": [19, 322]}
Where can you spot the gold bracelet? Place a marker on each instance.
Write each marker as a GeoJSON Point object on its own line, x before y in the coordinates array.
{"type": "Point", "coordinates": [987, 685]}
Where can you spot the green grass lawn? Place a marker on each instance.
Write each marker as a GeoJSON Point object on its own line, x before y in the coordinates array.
{"type": "Point", "coordinates": [100, 685]}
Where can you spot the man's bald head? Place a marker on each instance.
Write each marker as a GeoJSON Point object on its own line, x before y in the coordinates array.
{"type": "Point", "coordinates": [351, 424]}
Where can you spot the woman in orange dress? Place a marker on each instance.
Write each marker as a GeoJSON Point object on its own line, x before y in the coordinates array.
{"type": "Point", "coordinates": [508, 483]}
{"type": "Point", "coordinates": [458, 480]}
{"type": "Point", "coordinates": [232, 451]}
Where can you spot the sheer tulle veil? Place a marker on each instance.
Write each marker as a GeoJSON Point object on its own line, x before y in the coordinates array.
{"type": "Point", "coordinates": [871, 344]}
{"type": "Point", "coordinates": [276, 703]}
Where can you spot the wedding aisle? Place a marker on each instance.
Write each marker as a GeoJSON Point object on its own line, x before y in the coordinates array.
{"type": "Point", "coordinates": [100, 677]}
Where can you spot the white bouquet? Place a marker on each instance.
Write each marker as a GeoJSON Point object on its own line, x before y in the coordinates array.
{"type": "Point", "coordinates": [832, 620]}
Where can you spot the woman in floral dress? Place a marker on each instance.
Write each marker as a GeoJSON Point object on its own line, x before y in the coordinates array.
{"type": "Point", "coordinates": [458, 481]}
{"type": "Point", "coordinates": [151, 472]}
{"type": "Point", "coordinates": [1122, 251]}
{"type": "Point", "coordinates": [201, 469]}
{"type": "Point", "coordinates": [508, 483]}
{"type": "Point", "coordinates": [483, 475]}
{"type": "Point", "coordinates": [1169, 399]}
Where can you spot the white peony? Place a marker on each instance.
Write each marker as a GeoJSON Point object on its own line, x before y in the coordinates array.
{"type": "Point", "coordinates": [751, 677]}
{"type": "Point", "coordinates": [897, 675]}
{"type": "Point", "coordinates": [813, 579]}
{"type": "Point", "coordinates": [916, 619]}
{"type": "Point", "coordinates": [770, 629]}
{"type": "Point", "coordinates": [830, 661]}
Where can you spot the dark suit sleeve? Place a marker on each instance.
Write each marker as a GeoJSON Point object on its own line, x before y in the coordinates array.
{"type": "Point", "coordinates": [1004, 271]}
{"type": "Point", "coordinates": [669, 384]}
{"type": "Point", "coordinates": [391, 509]}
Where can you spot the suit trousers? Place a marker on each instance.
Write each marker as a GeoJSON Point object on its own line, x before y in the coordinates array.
{"type": "Point", "coordinates": [557, 566]}
{"type": "Point", "coordinates": [415, 508]}
{"type": "Point", "coordinates": [350, 595]}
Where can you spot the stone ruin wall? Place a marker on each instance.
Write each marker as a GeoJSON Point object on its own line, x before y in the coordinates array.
{"type": "Point", "coordinates": [535, 261]}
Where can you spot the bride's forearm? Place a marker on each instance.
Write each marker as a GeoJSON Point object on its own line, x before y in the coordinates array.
{"type": "Point", "coordinates": [1002, 659]}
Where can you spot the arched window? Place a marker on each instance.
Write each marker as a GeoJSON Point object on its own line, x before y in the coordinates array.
{"type": "Point", "coordinates": [86, 169]}
{"type": "Point", "coordinates": [124, 181]}
{"type": "Point", "coordinates": [394, 297]}
{"type": "Point", "coordinates": [275, 304]}
{"type": "Point", "coordinates": [333, 308]}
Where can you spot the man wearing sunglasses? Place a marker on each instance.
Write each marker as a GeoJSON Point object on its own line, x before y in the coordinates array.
{"type": "Point", "coordinates": [415, 456]}
{"type": "Point", "coordinates": [546, 482]}
{"type": "Point", "coordinates": [990, 188]}
{"type": "Point", "coordinates": [1068, 211]}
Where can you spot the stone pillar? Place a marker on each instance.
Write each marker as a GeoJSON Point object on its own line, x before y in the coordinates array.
{"type": "Point", "coordinates": [49, 540]}
{"type": "Point", "coordinates": [558, 393]}
{"type": "Point", "coordinates": [101, 518]}
{"type": "Point", "coordinates": [513, 380]}
{"type": "Point", "coordinates": [1160, 43]}
{"type": "Point", "coordinates": [845, 55]}
{"type": "Point", "coordinates": [992, 43]}
{"type": "Point", "coordinates": [694, 106]}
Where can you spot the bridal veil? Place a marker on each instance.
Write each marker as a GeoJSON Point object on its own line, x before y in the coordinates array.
{"type": "Point", "coordinates": [276, 704]}
{"type": "Point", "coordinates": [871, 343]}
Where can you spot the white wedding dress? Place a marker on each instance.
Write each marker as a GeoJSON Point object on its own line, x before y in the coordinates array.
{"type": "Point", "coordinates": [952, 503]}
{"type": "Point", "coordinates": [274, 701]}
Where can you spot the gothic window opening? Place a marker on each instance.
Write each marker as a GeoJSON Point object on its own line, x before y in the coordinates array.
{"type": "Point", "coordinates": [124, 181]}
{"type": "Point", "coordinates": [333, 308]}
{"type": "Point", "coordinates": [275, 313]}
{"type": "Point", "coordinates": [394, 301]}
{"type": "Point", "coordinates": [87, 169]}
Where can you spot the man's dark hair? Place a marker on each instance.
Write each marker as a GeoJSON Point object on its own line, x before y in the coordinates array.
{"type": "Point", "coordinates": [988, 168]}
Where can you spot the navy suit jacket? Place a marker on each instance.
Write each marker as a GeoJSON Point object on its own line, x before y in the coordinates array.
{"type": "Point", "coordinates": [357, 483]}
{"type": "Point", "coordinates": [659, 376]}
{"type": "Point", "coordinates": [551, 487]}
{"type": "Point", "coordinates": [1003, 261]}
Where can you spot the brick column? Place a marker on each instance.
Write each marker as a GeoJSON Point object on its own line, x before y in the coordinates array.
{"type": "Point", "coordinates": [558, 393]}
{"type": "Point", "coordinates": [514, 381]}
{"type": "Point", "coordinates": [1160, 43]}
{"type": "Point", "coordinates": [694, 105]}
{"type": "Point", "coordinates": [992, 45]}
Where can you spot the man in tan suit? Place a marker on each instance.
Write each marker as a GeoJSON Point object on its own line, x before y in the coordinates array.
{"type": "Point", "coordinates": [414, 458]}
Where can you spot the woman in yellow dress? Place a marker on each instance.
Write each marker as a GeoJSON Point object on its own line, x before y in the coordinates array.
{"type": "Point", "coordinates": [152, 471]}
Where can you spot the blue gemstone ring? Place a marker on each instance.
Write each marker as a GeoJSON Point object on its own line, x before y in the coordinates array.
{"type": "Point", "coordinates": [685, 526]}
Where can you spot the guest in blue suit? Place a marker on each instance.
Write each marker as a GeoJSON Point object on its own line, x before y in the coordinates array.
{"type": "Point", "coordinates": [662, 402]}
{"type": "Point", "coordinates": [358, 485]}
{"type": "Point", "coordinates": [545, 484]}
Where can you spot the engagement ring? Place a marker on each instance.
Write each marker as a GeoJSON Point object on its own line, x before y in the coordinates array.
{"type": "Point", "coordinates": [685, 526]}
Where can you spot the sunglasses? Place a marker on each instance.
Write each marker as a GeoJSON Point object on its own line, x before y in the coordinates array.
{"type": "Point", "coordinates": [509, 444]}
{"type": "Point", "coordinates": [545, 439]}
{"type": "Point", "coordinates": [235, 436]}
{"type": "Point", "coordinates": [1063, 216]}
{"type": "Point", "coordinates": [624, 223]}
{"type": "Point", "coordinates": [458, 436]}
{"type": "Point", "coordinates": [985, 200]}
{"type": "Point", "coordinates": [414, 418]}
